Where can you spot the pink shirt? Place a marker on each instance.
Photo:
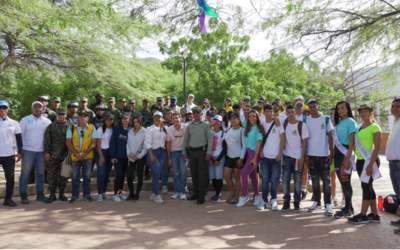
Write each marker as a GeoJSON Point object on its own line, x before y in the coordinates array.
{"type": "Point", "coordinates": [176, 137]}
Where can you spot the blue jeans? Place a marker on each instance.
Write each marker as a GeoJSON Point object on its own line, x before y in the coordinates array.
{"type": "Point", "coordinates": [395, 176]}
{"type": "Point", "coordinates": [271, 171]}
{"type": "Point", "coordinates": [31, 158]}
{"type": "Point", "coordinates": [216, 172]}
{"type": "Point", "coordinates": [165, 173]}
{"type": "Point", "coordinates": [179, 168]}
{"type": "Point", "coordinates": [103, 171]}
{"type": "Point", "coordinates": [160, 156]}
{"type": "Point", "coordinates": [86, 166]}
{"type": "Point", "coordinates": [288, 168]}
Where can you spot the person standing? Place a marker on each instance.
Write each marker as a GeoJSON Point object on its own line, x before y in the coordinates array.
{"type": "Point", "coordinates": [168, 119]}
{"type": "Point", "coordinates": [174, 143]}
{"type": "Point", "coordinates": [206, 107]}
{"type": "Point", "coordinates": [174, 105]}
{"type": "Point", "coordinates": [189, 105]}
{"type": "Point", "coordinates": [32, 130]}
{"type": "Point", "coordinates": [56, 151]}
{"type": "Point", "coordinates": [103, 158]}
{"type": "Point", "coordinates": [166, 100]}
{"type": "Point", "coordinates": [114, 111]}
{"type": "Point", "coordinates": [9, 129]}
{"type": "Point", "coordinates": [84, 104]}
{"type": "Point", "coordinates": [73, 115]}
{"type": "Point", "coordinates": [81, 140]}
{"type": "Point", "coordinates": [134, 113]}
{"type": "Point", "coordinates": [228, 105]}
{"type": "Point", "coordinates": [287, 103]}
{"type": "Point", "coordinates": [122, 104]}
{"type": "Point", "coordinates": [99, 100]}
{"type": "Point", "coordinates": [48, 113]}
{"type": "Point", "coordinates": [299, 99]}
{"type": "Point", "coordinates": [136, 152]}
{"type": "Point", "coordinates": [333, 172]}
{"type": "Point", "coordinates": [56, 102]}
{"type": "Point", "coordinates": [146, 113]}
{"type": "Point", "coordinates": [198, 143]}
{"type": "Point", "coordinates": [225, 121]}
{"type": "Point", "coordinates": [98, 120]}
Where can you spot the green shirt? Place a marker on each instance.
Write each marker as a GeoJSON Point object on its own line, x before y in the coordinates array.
{"type": "Point", "coordinates": [366, 136]}
{"type": "Point", "coordinates": [198, 135]}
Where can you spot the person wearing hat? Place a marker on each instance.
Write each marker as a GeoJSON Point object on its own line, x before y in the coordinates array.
{"type": "Point", "coordinates": [133, 112]}
{"type": "Point", "coordinates": [209, 116]}
{"type": "Point", "coordinates": [188, 116]}
{"type": "Point", "coordinates": [81, 140]}
{"type": "Point", "coordinates": [98, 120]}
{"type": "Point", "coordinates": [103, 158]}
{"type": "Point", "coordinates": [299, 111]}
{"type": "Point", "coordinates": [48, 113]}
{"type": "Point", "coordinates": [112, 110]}
{"type": "Point", "coordinates": [189, 105]}
{"type": "Point", "coordinates": [287, 103]}
{"type": "Point", "coordinates": [198, 144]}
{"type": "Point", "coordinates": [118, 155]}
{"type": "Point", "coordinates": [9, 129]}
{"type": "Point", "coordinates": [174, 105]}
{"type": "Point", "coordinates": [167, 100]}
{"type": "Point", "coordinates": [206, 107]}
{"type": "Point", "coordinates": [146, 113]}
{"type": "Point", "coordinates": [33, 127]}
{"type": "Point", "coordinates": [277, 109]}
{"type": "Point", "coordinates": [83, 106]}
{"type": "Point", "coordinates": [56, 151]}
{"type": "Point", "coordinates": [73, 112]}
{"type": "Point", "coordinates": [154, 108]}
{"type": "Point", "coordinates": [228, 105]}
{"type": "Point", "coordinates": [159, 101]}
{"type": "Point", "coordinates": [299, 99]}
{"type": "Point", "coordinates": [99, 100]}
{"type": "Point", "coordinates": [156, 153]}
{"type": "Point", "coordinates": [246, 101]}
{"type": "Point", "coordinates": [122, 103]}
{"type": "Point", "coordinates": [56, 102]}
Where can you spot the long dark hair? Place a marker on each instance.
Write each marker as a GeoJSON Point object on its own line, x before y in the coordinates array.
{"type": "Point", "coordinates": [349, 114]}
{"type": "Point", "coordinates": [104, 126]}
{"type": "Point", "coordinates": [139, 120]}
{"type": "Point", "coordinates": [258, 123]}
{"type": "Point", "coordinates": [225, 118]}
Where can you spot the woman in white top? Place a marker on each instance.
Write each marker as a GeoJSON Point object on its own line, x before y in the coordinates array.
{"type": "Point", "coordinates": [206, 107]}
{"type": "Point", "coordinates": [136, 152]}
{"type": "Point", "coordinates": [156, 156]}
{"type": "Point", "coordinates": [225, 122]}
{"type": "Point", "coordinates": [103, 158]}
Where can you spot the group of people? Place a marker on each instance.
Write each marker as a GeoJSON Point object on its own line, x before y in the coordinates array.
{"type": "Point", "coordinates": [237, 142]}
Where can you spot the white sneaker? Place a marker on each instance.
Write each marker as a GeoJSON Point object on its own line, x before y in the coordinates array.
{"type": "Point", "coordinates": [100, 198]}
{"type": "Point", "coordinates": [122, 196]}
{"type": "Point", "coordinates": [343, 203]}
{"type": "Point", "coordinates": [152, 196]}
{"type": "Point", "coordinates": [183, 196]}
{"type": "Point", "coordinates": [176, 195]}
{"type": "Point", "coordinates": [116, 198]}
{"type": "Point", "coordinates": [106, 197]}
{"type": "Point", "coordinates": [158, 199]}
{"type": "Point", "coordinates": [242, 201]}
{"type": "Point", "coordinates": [164, 190]}
{"type": "Point", "coordinates": [262, 205]}
{"type": "Point", "coordinates": [186, 190]}
{"type": "Point", "coordinates": [314, 207]}
{"type": "Point", "coordinates": [328, 210]}
{"type": "Point", "coordinates": [274, 205]}
{"type": "Point", "coordinates": [334, 202]}
{"type": "Point", "coordinates": [257, 200]}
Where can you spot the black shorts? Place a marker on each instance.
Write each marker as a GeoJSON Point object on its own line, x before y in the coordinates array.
{"type": "Point", "coordinates": [232, 162]}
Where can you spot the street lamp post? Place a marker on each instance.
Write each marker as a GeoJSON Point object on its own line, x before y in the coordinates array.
{"type": "Point", "coordinates": [184, 76]}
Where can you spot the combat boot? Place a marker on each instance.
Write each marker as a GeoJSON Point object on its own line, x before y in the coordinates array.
{"type": "Point", "coordinates": [41, 197]}
{"type": "Point", "coordinates": [62, 196]}
{"type": "Point", "coordinates": [24, 199]}
{"type": "Point", "coordinates": [52, 197]}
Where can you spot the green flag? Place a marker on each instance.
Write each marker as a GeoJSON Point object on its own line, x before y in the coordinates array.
{"type": "Point", "coordinates": [209, 12]}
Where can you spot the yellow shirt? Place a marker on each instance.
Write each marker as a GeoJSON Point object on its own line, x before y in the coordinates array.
{"type": "Point", "coordinates": [228, 109]}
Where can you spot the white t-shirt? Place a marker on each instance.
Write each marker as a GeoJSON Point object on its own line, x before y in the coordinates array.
{"type": "Point", "coordinates": [393, 143]}
{"type": "Point", "coordinates": [225, 129]}
{"type": "Point", "coordinates": [8, 129]}
{"type": "Point", "coordinates": [318, 142]}
{"type": "Point", "coordinates": [242, 117]}
{"type": "Point", "coordinates": [299, 117]}
{"type": "Point", "coordinates": [293, 146]}
{"type": "Point", "coordinates": [235, 141]}
{"type": "Point", "coordinates": [204, 113]}
{"type": "Point", "coordinates": [273, 143]}
{"type": "Point", "coordinates": [105, 138]}
{"type": "Point", "coordinates": [283, 113]}
{"type": "Point", "coordinates": [217, 143]}
{"type": "Point", "coordinates": [262, 118]}
{"type": "Point", "coordinates": [32, 130]}
{"type": "Point", "coordinates": [187, 106]}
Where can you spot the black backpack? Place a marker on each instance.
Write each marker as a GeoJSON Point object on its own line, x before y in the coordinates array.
{"type": "Point", "coordinates": [391, 207]}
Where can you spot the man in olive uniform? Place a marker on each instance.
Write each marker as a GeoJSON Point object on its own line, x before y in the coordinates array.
{"type": "Point", "coordinates": [146, 113]}
{"type": "Point", "coordinates": [84, 103]}
{"type": "Point", "coordinates": [198, 143]}
{"type": "Point", "coordinates": [99, 119]}
{"type": "Point", "coordinates": [132, 104]}
{"type": "Point", "coordinates": [56, 102]}
{"type": "Point", "coordinates": [122, 104]}
{"type": "Point", "coordinates": [73, 115]}
{"type": "Point", "coordinates": [48, 113]}
{"type": "Point", "coordinates": [112, 110]}
{"type": "Point", "coordinates": [174, 106]}
{"type": "Point", "coordinates": [99, 100]}
{"type": "Point", "coordinates": [56, 150]}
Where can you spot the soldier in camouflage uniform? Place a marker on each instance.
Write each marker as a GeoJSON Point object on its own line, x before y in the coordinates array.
{"type": "Point", "coordinates": [73, 109]}
{"type": "Point", "coordinates": [99, 100]}
{"type": "Point", "coordinates": [99, 119]}
{"type": "Point", "coordinates": [56, 102]}
{"type": "Point", "coordinates": [48, 113]}
{"type": "Point", "coordinates": [132, 104]}
{"type": "Point", "coordinates": [122, 104]}
{"type": "Point", "coordinates": [55, 152]}
{"type": "Point", "coordinates": [112, 110]}
{"type": "Point", "coordinates": [84, 103]}
{"type": "Point", "coordinates": [146, 114]}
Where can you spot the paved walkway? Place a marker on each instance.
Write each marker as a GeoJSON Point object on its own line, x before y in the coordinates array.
{"type": "Point", "coordinates": [183, 224]}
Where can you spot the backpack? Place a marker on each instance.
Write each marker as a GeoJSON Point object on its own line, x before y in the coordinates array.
{"type": "Point", "coordinates": [391, 207]}
{"type": "Point", "coordinates": [299, 127]}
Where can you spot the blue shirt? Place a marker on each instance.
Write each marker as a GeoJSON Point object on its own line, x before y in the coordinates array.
{"type": "Point", "coordinates": [344, 129]}
{"type": "Point", "coordinates": [252, 137]}
{"type": "Point", "coordinates": [69, 134]}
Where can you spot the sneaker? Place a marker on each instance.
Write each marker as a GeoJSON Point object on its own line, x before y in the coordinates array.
{"type": "Point", "coordinates": [122, 196]}
{"type": "Point", "coordinates": [183, 196]}
{"type": "Point", "coordinates": [24, 199]}
{"type": "Point", "coordinates": [73, 200]}
{"type": "Point", "coordinates": [309, 182]}
{"type": "Point", "coordinates": [395, 222]}
{"type": "Point", "coordinates": [9, 202]}
{"type": "Point", "coordinates": [100, 198]}
{"type": "Point", "coordinates": [334, 202]}
{"type": "Point", "coordinates": [314, 207]}
{"type": "Point", "coordinates": [164, 190]}
{"type": "Point", "coordinates": [304, 195]}
{"type": "Point", "coordinates": [274, 205]}
{"type": "Point", "coordinates": [242, 201]}
{"type": "Point", "coordinates": [186, 190]}
{"type": "Point", "coordinates": [135, 197]}
{"type": "Point", "coordinates": [41, 197]}
{"type": "Point", "coordinates": [200, 200]}
{"type": "Point", "coordinates": [215, 198]}
{"type": "Point", "coordinates": [359, 219]}
{"type": "Point", "coordinates": [397, 231]}
{"type": "Point", "coordinates": [116, 198]}
{"type": "Point", "coordinates": [130, 197]}
{"type": "Point", "coordinates": [297, 206]}
{"type": "Point", "coordinates": [158, 199]}
{"type": "Point", "coordinates": [285, 207]}
{"type": "Point", "coordinates": [374, 218]}
{"type": "Point", "coordinates": [88, 198]}
{"type": "Point", "coordinates": [262, 205]}
{"type": "Point", "coordinates": [328, 210]}
{"type": "Point", "coordinates": [280, 180]}
{"type": "Point", "coordinates": [344, 214]}
{"type": "Point", "coordinates": [152, 196]}
{"type": "Point", "coordinates": [257, 200]}
{"type": "Point", "coordinates": [174, 196]}
{"type": "Point", "coordinates": [106, 197]}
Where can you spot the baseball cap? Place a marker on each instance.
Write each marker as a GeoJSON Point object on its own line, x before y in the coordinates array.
{"type": "Point", "coordinates": [210, 113]}
{"type": "Point", "coordinates": [191, 95]}
{"type": "Point", "coordinates": [126, 115]}
{"type": "Point", "coordinates": [57, 99]}
{"type": "Point", "coordinates": [288, 102]}
{"type": "Point", "coordinates": [365, 106]}
{"type": "Point", "coordinates": [109, 116]}
{"type": "Point", "coordinates": [262, 98]}
{"type": "Point", "coordinates": [228, 99]}
{"type": "Point", "coordinates": [235, 115]}
{"type": "Point", "coordinates": [111, 99]}
{"type": "Point", "coordinates": [206, 100]}
{"type": "Point", "coordinates": [158, 113]}
{"type": "Point", "coordinates": [127, 109]}
{"type": "Point", "coordinates": [146, 100]}
{"type": "Point", "coordinates": [132, 101]}
{"type": "Point", "coordinates": [218, 117]}
{"type": "Point", "coordinates": [159, 98]}
{"type": "Point", "coordinates": [83, 99]}
{"type": "Point", "coordinates": [196, 109]}
{"type": "Point", "coordinates": [189, 111]}
{"type": "Point", "coordinates": [122, 99]}
{"type": "Point", "coordinates": [83, 112]}
{"type": "Point", "coordinates": [275, 102]}
{"type": "Point", "coordinates": [312, 101]}
{"type": "Point", "coordinates": [61, 111]}
{"type": "Point", "coordinates": [246, 99]}
{"type": "Point", "coordinates": [260, 101]}
{"type": "Point", "coordinates": [278, 98]}
{"type": "Point", "coordinates": [4, 103]}
{"type": "Point", "coordinates": [173, 97]}
{"type": "Point", "coordinates": [299, 97]}
{"type": "Point", "coordinates": [37, 102]}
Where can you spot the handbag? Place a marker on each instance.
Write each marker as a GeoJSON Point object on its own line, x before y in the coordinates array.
{"type": "Point", "coordinates": [66, 168]}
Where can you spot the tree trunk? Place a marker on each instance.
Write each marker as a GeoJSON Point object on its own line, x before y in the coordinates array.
{"type": "Point", "coordinates": [11, 54]}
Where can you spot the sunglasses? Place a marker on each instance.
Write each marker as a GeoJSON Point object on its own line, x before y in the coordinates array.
{"type": "Point", "coordinates": [216, 121]}
{"type": "Point", "coordinates": [3, 107]}
{"type": "Point", "coordinates": [81, 133]}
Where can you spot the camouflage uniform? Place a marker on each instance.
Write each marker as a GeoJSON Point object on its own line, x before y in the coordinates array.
{"type": "Point", "coordinates": [50, 114]}
{"type": "Point", "coordinates": [136, 114]}
{"type": "Point", "coordinates": [72, 118]}
{"type": "Point", "coordinates": [97, 122]}
{"type": "Point", "coordinates": [54, 144]}
{"type": "Point", "coordinates": [147, 117]}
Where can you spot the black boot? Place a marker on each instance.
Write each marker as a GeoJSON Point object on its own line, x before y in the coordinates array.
{"type": "Point", "coordinates": [62, 196]}
{"type": "Point", "coordinates": [24, 199]}
{"type": "Point", "coordinates": [52, 197]}
{"type": "Point", "coordinates": [41, 197]}
{"type": "Point", "coordinates": [9, 202]}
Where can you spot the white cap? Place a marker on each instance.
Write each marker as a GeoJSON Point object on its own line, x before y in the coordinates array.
{"type": "Point", "coordinates": [191, 95]}
{"type": "Point", "coordinates": [218, 117]}
{"type": "Point", "coordinates": [299, 97]}
{"type": "Point", "coordinates": [158, 113]}
{"type": "Point", "coordinates": [37, 102]}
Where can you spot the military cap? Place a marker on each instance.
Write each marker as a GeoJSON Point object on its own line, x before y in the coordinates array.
{"type": "Point", "coordinates": [57, 99]}
{"type": "Point", "coordinates": [146, 100]}
{"type": "Point", "coordinates": [122, 99]}
{"type": "Point", "coordinates": [133, 101]}
{"type": "Point", "coordinates": [159, 98]}
{"type": "Point", "coordinates": [43, 97]}
{"type": "Point", "coordinates": [196, 109]}
{"type": "Point", "coordinates": [83, 112]}
{"type": "Point", "coordinates": [83, 99]}
{"type": "Point", "coordinates": [61, 111]}
{"type": "Point", "coordinates": [111, 99]}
